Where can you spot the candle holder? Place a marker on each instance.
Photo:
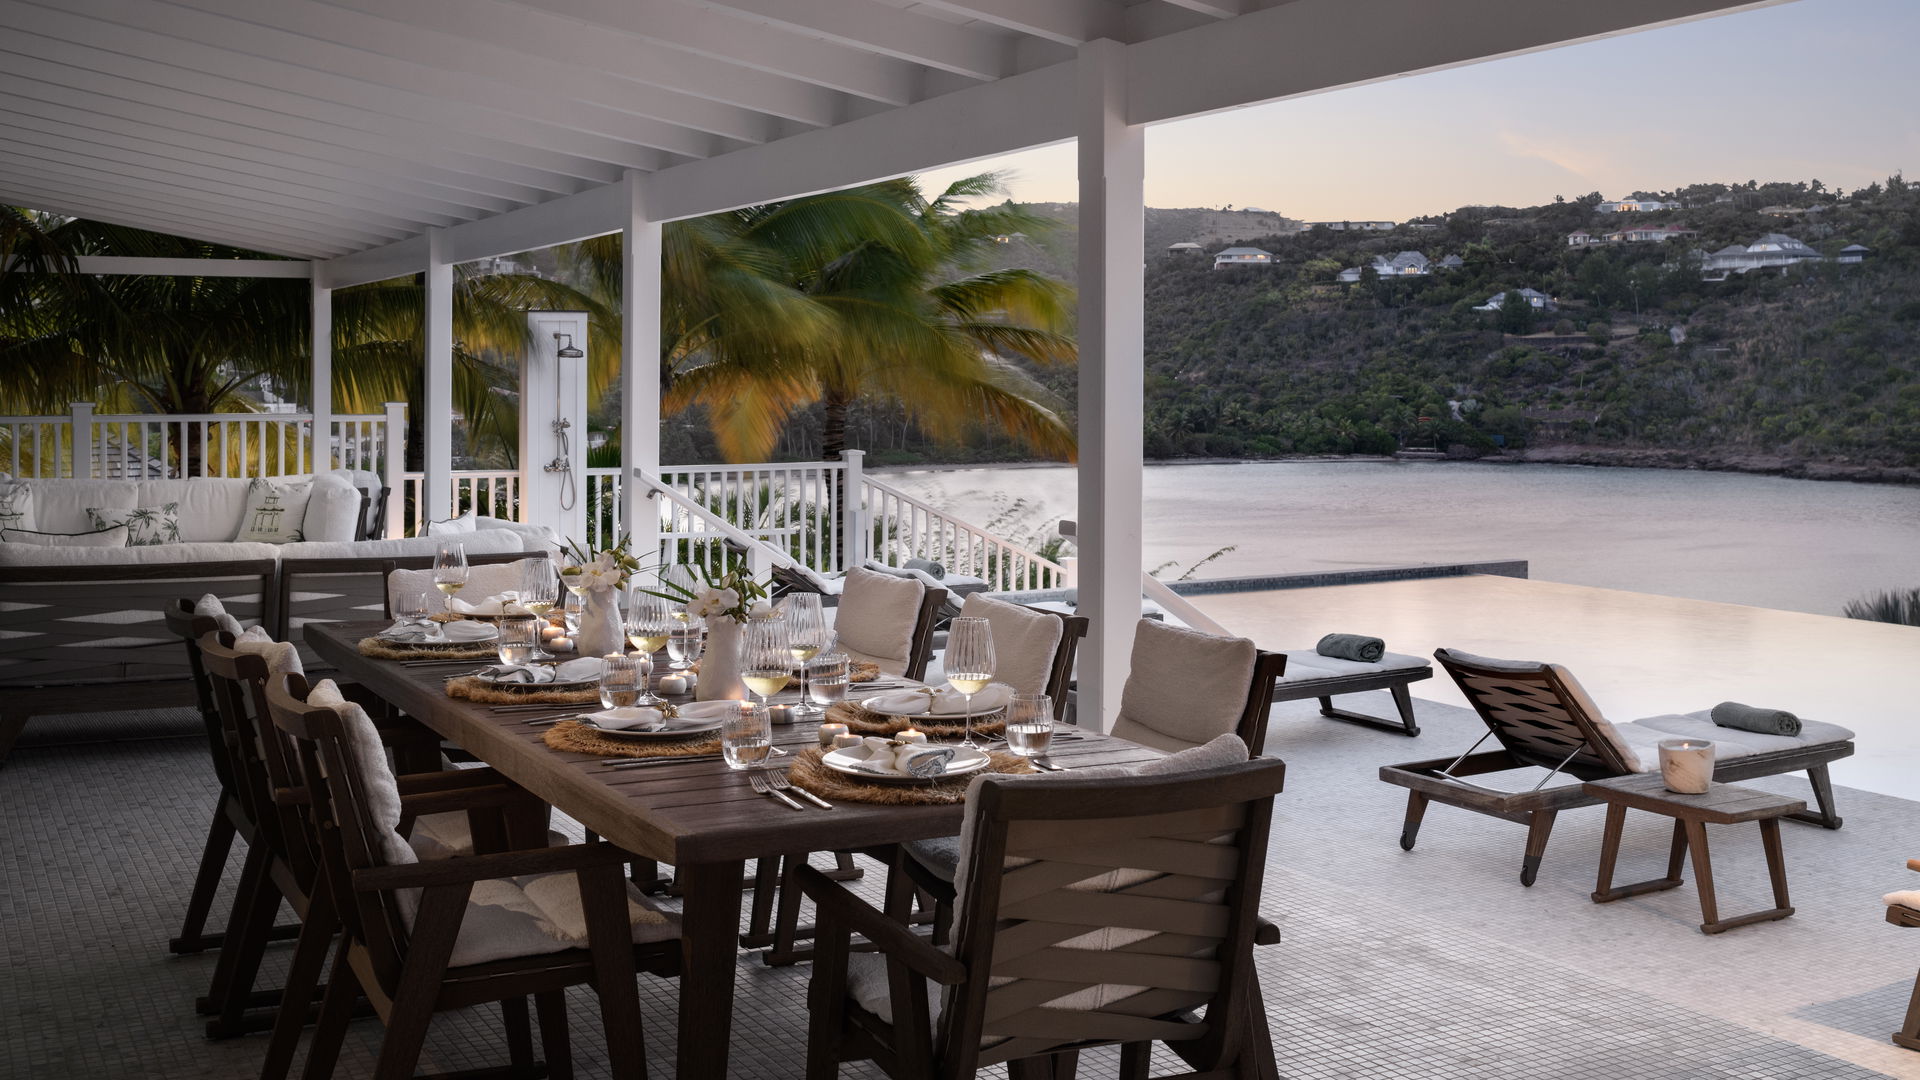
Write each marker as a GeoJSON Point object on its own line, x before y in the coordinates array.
{"type": "Point", "coordinates": [1687, 765]}
{"type": "Point", "coordinates": [830, 732]}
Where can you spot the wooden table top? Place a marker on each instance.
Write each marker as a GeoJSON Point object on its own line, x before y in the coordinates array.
{"type": "Point", "coordinates": [1722, 804]}
{"type": "Point", "coordinates": [696, 812]}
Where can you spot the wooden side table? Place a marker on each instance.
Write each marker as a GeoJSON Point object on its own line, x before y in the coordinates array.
{"type": "Point", "coordinates": [1723, 804]}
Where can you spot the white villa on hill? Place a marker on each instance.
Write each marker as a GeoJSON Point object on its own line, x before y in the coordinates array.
{"type": "Point", "coordinates": [1772, 251]}
{"type": "Point", "coordinates": [1539, 300]}
{"type": "Point", "coordinates": [1184, 247]}
{"type": "Point", "coordinates": [1352, 226]}
{"type": "Point", "coordinates": [1242, 256]}
{"type": "Point", "coordinates": [1629, 206]}
{"type": "Point", "coordinates": [1405, 264]}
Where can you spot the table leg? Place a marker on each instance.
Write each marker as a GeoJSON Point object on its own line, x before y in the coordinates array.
{"type": "Point", "coordinates": [1776, 861]}
{"type": "Point", "coordinates": [709, 952]}
{"type": "Point", "coordinates": [1609, 852]}
{"type": "Point", "coordinates": [1703, 875]}
{"type": "Point", "coordinates": [1678, 858]}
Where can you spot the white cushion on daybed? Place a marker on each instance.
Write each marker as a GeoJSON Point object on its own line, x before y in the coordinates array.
{"type": "Point", "coordinates": [487, 543]}
{"type": "Point", "coordinates": [1728, 743]}
{"type": "Point", "coordinates": [1305, 665]}
{"type": "Point", "coordinates": [210, 508]}
{"type": "Point", "coordinates": [22, 555]}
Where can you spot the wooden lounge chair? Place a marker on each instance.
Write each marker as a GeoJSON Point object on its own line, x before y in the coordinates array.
{"type": "Point", "coordinates": [1901, 914]}
{"type": "Point", "coordinates": [1542, 718]}
{"type": "Point", "coordinates": [1309, 675]}
{"type": "Point", "coordinates": [1092, 911]}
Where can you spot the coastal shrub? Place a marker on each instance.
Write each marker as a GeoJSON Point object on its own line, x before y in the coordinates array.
{"type": "Point", "coordinates": [1896, 606]}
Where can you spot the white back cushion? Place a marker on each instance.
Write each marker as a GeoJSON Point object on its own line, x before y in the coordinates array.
{"type": "Point", "coordinates": [209, 508]}
{"type": "Point", "coordinates": [61, 505]}
{"type": "Point", "coordinates": [1024, 642]}
{"type": "Point", "coordinates": [877, 615]}
{"type": "Point", "coordinates": [1184, 687]}
{"type": "Point", "coordinates": [487, 579]}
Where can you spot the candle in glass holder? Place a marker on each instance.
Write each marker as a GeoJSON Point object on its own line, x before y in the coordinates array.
{"type": "Point", "coordinates": [1687, 765]}
{"type": "Point", "coordinates": [830, 732]}
{"type": "Point", "coordinates": [846, 739]}
{"type": "Point", "coordinates": [910, 736]}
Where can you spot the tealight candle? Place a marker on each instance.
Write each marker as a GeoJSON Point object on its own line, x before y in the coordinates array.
{"type": "Point", "coordinates": [552, 633]}
{"type": "Point", "coordinates": [673, 684]}
{"type": "Point", "coordinates": [830, 732]}
{"type": "Point", "coordinates": [563, 643]}
{"type": "Point", "coordinates": [782, 714]}
{"type": "Point", "coordinates": [846, 739]}
{"type": "Point", "coordinates": [911, 736]}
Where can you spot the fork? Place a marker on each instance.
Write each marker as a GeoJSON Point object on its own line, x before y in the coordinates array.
{"type": "Point", "coordinates": [779, 782]}
{"type": "Point", "coordinates": [759, 781]}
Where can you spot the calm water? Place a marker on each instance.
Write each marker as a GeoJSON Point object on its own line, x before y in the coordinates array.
{"type": "Point", "coordinates": [1798, 545]}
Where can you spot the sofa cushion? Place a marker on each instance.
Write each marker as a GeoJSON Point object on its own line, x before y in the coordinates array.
{"type": "Point", "coordinates": [333, 510]}
{"type": "Point", "coordinates": [483, 543]}
{"type": "Point", "coordinates": [275, 511]}
{"type": "Point", "coordinates": [61, 505]}
{"type": "Point", "coordinates": [121, 555]}
{"type": "Point", "coordinates": [454, 526]}
{"type": "Point", "coordinates": [147, 526]}
{"type": "Point", "coordinates": [113, 537]}
{"type": "Point", "coordinates": [209, 507]}
{"type": "Point", "coordinates": [16, 505]}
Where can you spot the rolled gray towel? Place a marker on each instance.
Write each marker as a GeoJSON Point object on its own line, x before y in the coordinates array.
{"type": "Point", "coordinates": [1753, 718]}
{"type": "Point", "coordinates": [928, 566]}
{"type": "Point", "coordinates": [1367, 650]}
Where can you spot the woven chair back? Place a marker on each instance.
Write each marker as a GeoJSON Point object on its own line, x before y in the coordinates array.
{"type": "Point", "coordinates": [1538, 715]}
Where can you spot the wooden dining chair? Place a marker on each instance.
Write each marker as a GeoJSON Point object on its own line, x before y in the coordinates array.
{"type": "Point", "coordinates": [419, 938]}
{"type": "Point", "coordinates": [425, 562]}
{"type": "Point", "coordinates": [1092, 911]}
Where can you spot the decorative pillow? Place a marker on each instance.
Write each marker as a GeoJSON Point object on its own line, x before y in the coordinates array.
{"type": "Point", "coordinates": [147, 526]}
{"type": "Point", "coordinates": [275, 512]}
{"type": "Point", "coordinates": [16, 506]}
{"type": "Point", "coordinates": [465, 523]}
{"type": "Point", "coordinates": [115, 537]}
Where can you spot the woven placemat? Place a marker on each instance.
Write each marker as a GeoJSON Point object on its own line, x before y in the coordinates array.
{"type": "Point", "coordinates": [863, 721]}
{"type": "Point", "coordinates": [468, 688]}
{"type": "Point", "coordinates": [809, 773]}
{"type": "Point", "coordinates": [458, 650]}
{"type": "Point", "coordinates": [575, 737]}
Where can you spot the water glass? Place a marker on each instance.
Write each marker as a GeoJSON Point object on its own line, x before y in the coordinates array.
{"type": "Point", "coordinates": [1030, 725]}
{"type": "Point", "coordinates": [621, 681]}
{"type": "Point", "coordinates": [827, 679]}
{"type": "Point", "coordinates": [410, 606]}
{"type": "Point", "coordinates": [686, 642]}
{"type": "Point", "coordinates": [519, 637]}
{"type": "Point", "coordinates": [746, 736]}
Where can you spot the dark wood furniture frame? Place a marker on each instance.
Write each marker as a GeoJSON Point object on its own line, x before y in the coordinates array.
{"type": "Point", "coordinates": [1539, 723]}
{"type": "Point", "coordinates": [1010, 920]}
{"type": "Point", "coordinates": [1395, 682]}
{"type": "Point", "coordinates": [702, 817]}
{"type": "Point", "coordinates": [1909, 1033]}
{"type": "Point", "coordinates": [404, 973]}
{"type": "Point", "coordinates": [1722, 804]}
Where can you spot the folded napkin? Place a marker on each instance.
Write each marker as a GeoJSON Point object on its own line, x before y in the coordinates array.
{"type": "Point", "coordinates": [581, 670]}
{"type": "Point", "coordinates": [923, 760]}
{"type": "Point", "coordinates": [1732, 714]}
{"type": "Point", "coordinates": [491, 605]}
{"type": "Point", "coordinates": [1367, 650]}
{"type": "Point", "coordinates": [708, 710]}
{"type": "Point", "coordinates": [639, 719]}
{"type": "Point", "coordinates": [1909, 898]}
{"type": "Point", "coordinates": [455, 632]}
{"type": "Point", "coordinates": [944, 701]}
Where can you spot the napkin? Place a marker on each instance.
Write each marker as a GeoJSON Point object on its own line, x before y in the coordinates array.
{"type": "Point", "coordinates": [708, 710]}
{"type": "Point", "coordinates": [923, 760]}
{"type": "Point", "coordinates": [491, 605]}
{"type": "Point", "coordinates": [945, 701]}
{"type": "Point", "coordinates": [581, 670]}
{"type": "Point", "coordinates": [456, 632]}
{"type": "Point", "coordinates": [638, 719]}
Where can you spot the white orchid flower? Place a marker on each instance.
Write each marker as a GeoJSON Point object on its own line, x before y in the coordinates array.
{"type": "Point", "coordinates": [728, 598]}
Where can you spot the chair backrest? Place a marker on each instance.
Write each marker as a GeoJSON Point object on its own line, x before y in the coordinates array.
{"type": "Point", "coordinates": [1541, 714]}
{"type": "Point", "coordinates": [189, 628]}
{"type": "Point", "coordinates": [485, 583]}
{"type": "Point", "coordinates": [1094, 908]}
{"type": "Point", "coordinates": [266, 772]}
{"type": "Point", "coordinates": [1011, 624]}
{"type": "Point", "coordinates": [922, 652]}
{"type": "Point", "coordinates": [888, 618]}
{"type": "Point", "coordinates": [1183, 688]}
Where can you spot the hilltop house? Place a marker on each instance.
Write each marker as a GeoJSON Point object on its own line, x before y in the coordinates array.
{"type": "Point", "coordinates": [1647, 234]}
{"type": "Point", "coordinates": [1405, 264]}
{"type": "Point", "coordinates": [1540, 301]}
{"type": "Point", "coordinates": [1352, 226]}
{"type": "Point", "coordinates": [1628, 206]}
{"type": "Point", "coordinates": [1449, 262]}
{"type": "Point", "coordinates": [1184, 247]}
{"type": "Point", "coordinates": [1854, 253]}
{"type": "Point", "coordinates": [1774, 250]}
{"type": "Point", "coordinates": [1581, 238]}
{"type": "Point", "coordinates": [1242, 256]}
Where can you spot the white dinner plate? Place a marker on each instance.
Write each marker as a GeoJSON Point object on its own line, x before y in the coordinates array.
{"type": "Point", "coordinates": [965, 762]}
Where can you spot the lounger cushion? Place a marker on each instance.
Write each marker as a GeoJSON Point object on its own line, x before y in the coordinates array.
{"type": "Point", "coordinates": [1728, 743]}
{"type": "Point", "coordinates": [876, 618]}
{"type": "Point", "coordinates": [1305, 665]}
{"type": "Point", "coordinates": [1184, 687]}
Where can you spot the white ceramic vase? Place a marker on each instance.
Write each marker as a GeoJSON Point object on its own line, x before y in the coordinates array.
{"type": "Point", "coordinates": [720, 663]}
{"type": "Point", "coordinates": [600, 631]}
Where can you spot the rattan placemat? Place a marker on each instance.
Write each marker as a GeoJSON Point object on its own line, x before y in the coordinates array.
{"type": "Point", "coordinates": [863, 721]}
{"type": "Point", "coordinates": [455, 650]}
{"type": "Point", "coordinates": [575, 737]}
{"type": "Point", "coordinates": [809, 773]}
{"type": "Point", "coordinates": [469, 688]}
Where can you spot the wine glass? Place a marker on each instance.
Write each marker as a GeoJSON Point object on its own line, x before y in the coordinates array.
{"type": "Point", "coordinates": [766, 664]}
{"type": "Point", "coordinates": [450, 568]}
{"type": "Point", "coordinates": [807, 635]}
{"type": "Point", "coordinates": [969, 665]}
{"type": "Point", "coordinates": [686, 641]}
{"type": "Point", "coordinates": [678, 579]}
{"type": "Point", "coordinates": [539, 591]}
{"type": "Point", "coordinates": [648, 627]}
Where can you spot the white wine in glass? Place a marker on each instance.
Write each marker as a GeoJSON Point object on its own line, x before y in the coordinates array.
{"type": "Point", "coordinates": [766, 683]}
{"type": "Point", "coordinates": [647, 642]}
{"type": "Point", "coordinates": [970, 664]}
{"type": "Point", "coordinates": [450, 568]}
{"type": "Point", "coordinates": [766, 665]}
{"type": "Point", "coordinates": [807, 635]}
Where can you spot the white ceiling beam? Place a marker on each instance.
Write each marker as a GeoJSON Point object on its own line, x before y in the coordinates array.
{"type": "Point", "coordinates": [1068, 22]}
{"type": "Point", "coordinates": [497, 41]}
{"type": "Point", "coordinates": [409, 256]}
{"type": "Point", "coordinates": [1312, 46]}
{"type": "Point", "coordinates": [212, 178]}
{"type": "Point", "coordinates": [27, 187]}
{"type": "Point", "coordinates": [559, 221]}
{"type": "Point", "coordinates": [429, 172]}
{"type": "Point", "coordinates": [66, 205]}
{"type": "Point", "coordinates": [330, 184]}
{"type": "Point", "coordinates": [96, 43]}
{"type": "Point", "coordinates": [111, 265]}
{"type": "Point", "coordinates": [733, 41]}
{"type": "Point", "coordinates": [877, 27]}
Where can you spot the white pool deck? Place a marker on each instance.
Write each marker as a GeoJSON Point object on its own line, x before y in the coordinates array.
{"type": "Point", "coordinates": [1637, 654]}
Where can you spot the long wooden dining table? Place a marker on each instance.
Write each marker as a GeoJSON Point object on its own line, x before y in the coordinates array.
{"type": "Point", "coordinates": [702, 817]}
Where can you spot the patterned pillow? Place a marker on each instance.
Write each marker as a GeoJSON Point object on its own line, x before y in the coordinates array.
{"type": "Point", "coordinates": [16, 506]}
{"type": "Point", "coordinates": [275, 512]}
{"type": "Point", "coordinates": [147, 526]}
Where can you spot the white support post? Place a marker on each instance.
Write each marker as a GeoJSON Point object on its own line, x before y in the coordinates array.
{"type": "Point", "coordinates": [322, 392]}
{"type": "Point", "coordinates": [80, 435]}
{"type": "Point", "coordinates": [1112, 377]}
{"type": "Point", "coordinates": [393, 467]}
{"type": "Point", "coordinates": [553, 458]}
{"type": "Point", "coordinates": [853, 517]}
{"type": "Point", "coordinates": [640, 370]}
{"type": "Point", "coordinates": [436, 486]}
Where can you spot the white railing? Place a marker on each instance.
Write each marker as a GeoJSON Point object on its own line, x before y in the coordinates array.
{"type": "Point", "coordinates": [487, 492]}
{"type": "Point", "coordinates": [798, 507]}
{"type": "Point", "coordinates": [904, 527]}
{"type": "Point", "coordinates": [84, 444]}
{"type": "Point", "coordinates": [604, 524]}
{"type": "Point", "coordinates": [692, 532]}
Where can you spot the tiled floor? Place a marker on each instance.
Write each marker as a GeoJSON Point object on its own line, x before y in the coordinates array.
{"type": "Point", "coordinates": [1429, 964]}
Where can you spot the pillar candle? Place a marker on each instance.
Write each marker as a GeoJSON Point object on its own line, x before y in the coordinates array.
{"type": "Point", "coordinates": [830, 732]}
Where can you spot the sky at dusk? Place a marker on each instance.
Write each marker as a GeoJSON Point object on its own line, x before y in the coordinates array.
{"type": "Point", "coordinates": [1815, 89]}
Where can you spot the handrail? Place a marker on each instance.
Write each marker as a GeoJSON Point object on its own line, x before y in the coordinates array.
{"type": "Point", "coordinates": [1157, 591]}
{"type": "Point", "coordinates": [955, 527]}
{"type": "Point", "coordinates": [754, 545]}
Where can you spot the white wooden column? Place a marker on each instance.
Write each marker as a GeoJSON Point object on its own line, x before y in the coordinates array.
{"type": "Point", "coordinates": [640, 370]}
{"type": "Point", "coordinates": [1112, 377]}
{"type": "Point", "coordinates": [321, 396]}
{"type": "Point", "coordinates": [436, 487]}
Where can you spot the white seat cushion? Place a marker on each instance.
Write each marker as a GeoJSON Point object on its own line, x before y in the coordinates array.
{"type": "Point", "coordinates": [1305, 665]}
{"type": "Point", "coordinates": [508, 919]}
{"type": "Point", "coordinates": [1644, 736]}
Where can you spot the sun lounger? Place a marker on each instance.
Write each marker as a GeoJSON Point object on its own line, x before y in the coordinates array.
{"type": "Point", "coordinates": [1542, 718]}
{"type": "Point", "coordinates": [1309, 675]}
